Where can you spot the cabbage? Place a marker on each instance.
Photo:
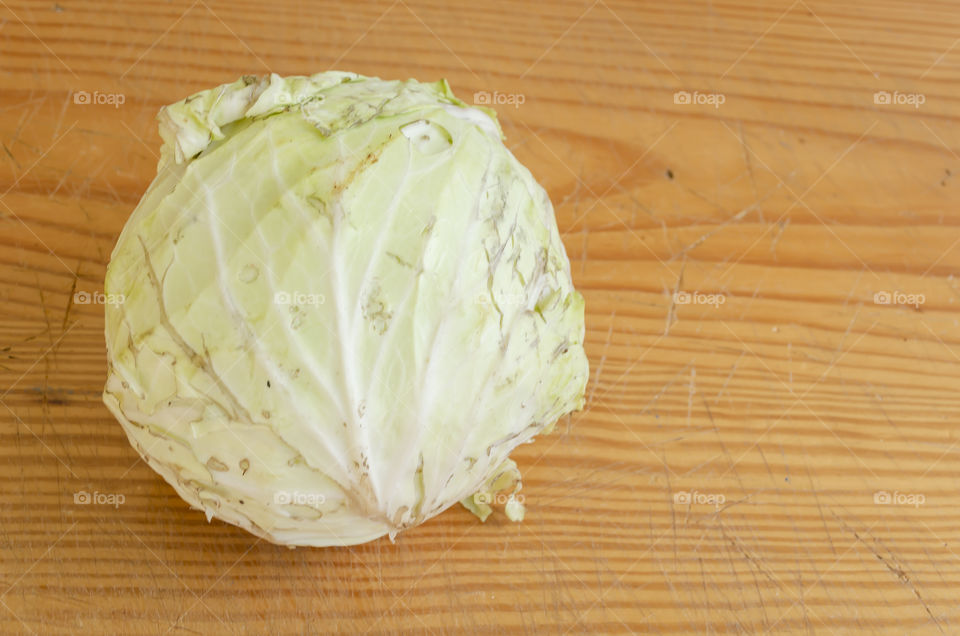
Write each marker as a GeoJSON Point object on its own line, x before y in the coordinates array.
{"type": "Point", "coordinates": [345, 304]}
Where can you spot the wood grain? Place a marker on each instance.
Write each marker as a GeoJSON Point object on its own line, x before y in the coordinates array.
{"type": "Point", "coordinates": [781, 413]}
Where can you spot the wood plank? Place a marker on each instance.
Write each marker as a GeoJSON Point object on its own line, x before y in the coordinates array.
{"type": "Point", "coordinates": [725, 475]}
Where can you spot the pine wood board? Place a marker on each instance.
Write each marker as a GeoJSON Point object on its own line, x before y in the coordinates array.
{"type": "Point", "coordinates": [729, 471]}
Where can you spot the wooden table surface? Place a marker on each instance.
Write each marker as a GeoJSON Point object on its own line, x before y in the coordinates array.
{"type": "Point", "coordinates": [760, 203]}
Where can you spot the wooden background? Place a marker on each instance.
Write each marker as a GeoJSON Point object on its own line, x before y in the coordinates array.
{"type": "Point", "coordinates": [729, 471]}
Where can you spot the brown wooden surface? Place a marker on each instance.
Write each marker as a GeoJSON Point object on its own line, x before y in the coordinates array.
{"type": "Point", "coordinates": [795, 401]}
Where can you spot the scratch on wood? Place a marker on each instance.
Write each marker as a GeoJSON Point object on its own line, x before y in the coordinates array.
{"type": "Point", "coordinates": [603, 358]}
{"type": "Point", "coordinates": [43, 307]}
{"type": "Point", "coordinates": [736, 576]}
{"type": "Point", "coordinates": [672, 309]}
{"type": "Point", "coordinates": [660, 393]}
{"type": "Point", "coordinates": [695, 244]}
{"type": "Point", "coordinates": [12, 158]}
{"type": "Point", "coordinates": [723, 445]}
{"type": "Point", "coordinates": [853, 288]}
{"type": "Point", "coordinates": [753, 571]}
{"type": "Point", "coordinates": [583, 252]}
{"type": "Point", "coordinates": [781, 225]}
{"type": "Point", "coordinates": [878, 399]}
{"type": "Point", "coordinates": [753, 298]}
{"type": "Point", "coordinates": [816, 497]}
{"type": "Point", "coordinates": [73, 290]}
{"type": "Point", "coordinates": [749, 164]}
{"type": "Point", "coordinates": [894, 569]}
{"type": "Point", "coordinates": [733, 370]}
{"type": "Point", "coordinates": [790, 362]}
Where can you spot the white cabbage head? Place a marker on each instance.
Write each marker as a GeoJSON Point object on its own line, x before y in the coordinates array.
{"type": "Point", "coordinates": [345, 304]}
